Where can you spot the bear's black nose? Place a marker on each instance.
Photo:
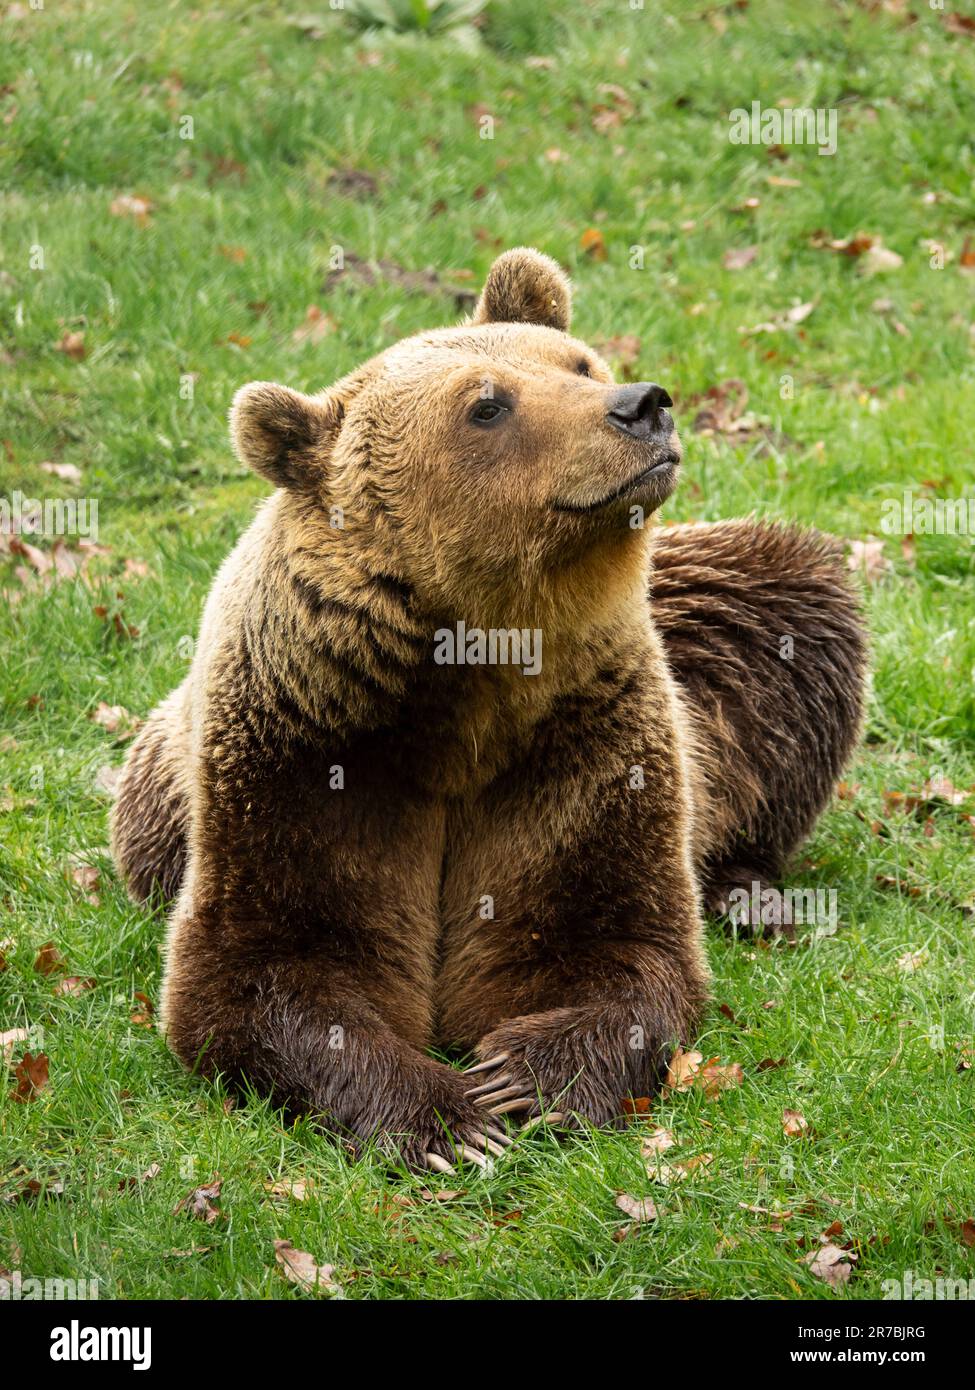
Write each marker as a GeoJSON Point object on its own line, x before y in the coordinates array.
{"type": "Point", "coordinates": [638, 410]}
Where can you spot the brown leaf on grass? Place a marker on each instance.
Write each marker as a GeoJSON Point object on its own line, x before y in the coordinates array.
{"type": "Point", "coordinates": [200, 1202]}
{"type": "Point", "coordinates": [237, 254]}
{"type": "Point", "coordinates": [241, 340]}
{"type": "Point", "coordinates": [72, 344]}
{"type": "Point", "coordinates": [638, 1209]}
{"type": "Point", "coordinates": [67, 472]}
{"type": "Point", "coordinates": [966, 1056]}
{"type": "Point", "coordinates": [8, 1041]}
{"type": "Point", "coordinates": [295, 1188]}
{"type": "Point", "coordinates": [34, 1189]}
{"type": "Point", "coordinates": [636, 1105]}
{"type": "Point", "coordinates": [73, 985]}
{"type": "Point", "coordinates": [130, 205]}
{"type": "Point", "coordinates": [721, 412]}
{"type": "Point", "coordinates": [966, 260]}
{"type": "Point", "coordinates": [593, 245]}
{"type": "Point", "coordinates": [38, 559]}
{"type": "Point", "coordinates": [315, 326]}
{"type": "Point", "coordinates": [715, 1078]}
{"type": "Point", "coordinates": [32, 1075]}
{"type": "Point", "coordinates": [49, 960]}
{"type": "Point", "coordinates": [444, 1194]}
{"type": "Point", "coordinates": [682, 1070]}
{"type": "Point", "coordinates": [794, 1125]}
{"type": "Point", "coordinates": [912, 961]}
{"type": "Point", "coordinates": [115, 719]}
{"type": "Point", "coordinates": [107, 780]}
{"type": "Point", "coordinates": [961, 24]}
{"type": "Point", "coordinates": [88, 878]}
{"type": "Point", "coordinates": [223, 166]}
{"type": "Point", "coordinates": [153, 1171]}
{"type": "Point", "coordinates": [144, 1015]}
{"type": "Point", "coordinates": [854, 246]}
{"type": "Point", "coordinates": [967, 1232]}
{"type": "Point", "coordinates": [832, 1264]}
{"type": "Point", "coordinates": [658, 1141]}
{"type": "Point", "coordinates": [667, 1173]}
{"type": "Point", "coordinates": [738, 257]}
{"type": "Point", "coordinates": [867, 558]}
{"type": "Point", "coordinates": [300, 1268]}
{"type": "Point", "coordinates": [771, 1063]}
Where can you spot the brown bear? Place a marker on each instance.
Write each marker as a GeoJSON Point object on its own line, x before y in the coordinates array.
{"type": "Point", "coordinates": [442, 773]}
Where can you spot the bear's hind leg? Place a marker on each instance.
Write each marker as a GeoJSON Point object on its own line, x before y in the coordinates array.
{"type": "Point", "coordinates": [149, 818]}
{"type": "Point", "coordinates": [766, 639]}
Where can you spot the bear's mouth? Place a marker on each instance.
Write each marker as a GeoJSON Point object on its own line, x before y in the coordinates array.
{"type": "Point", "coordinates": [663, 467]}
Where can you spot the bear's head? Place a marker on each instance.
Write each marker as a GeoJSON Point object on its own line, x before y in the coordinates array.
{"type": "Point", "coordinates": [486, 459]}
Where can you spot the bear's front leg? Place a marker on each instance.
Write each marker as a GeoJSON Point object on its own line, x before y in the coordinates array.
{"type": "Point", "coordinates": [297, 1028]}
{"type": "Point", "coordinates": [586, 965]}
{"type": "Point", "coordinates": [301, 952]}
{"type": "Point", "coordinates": [579, 1063]}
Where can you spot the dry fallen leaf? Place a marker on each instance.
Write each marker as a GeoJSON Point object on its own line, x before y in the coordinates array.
{"type": "Point", "coordinates": [107, 780]}
{"type": "Point", "coordinates": [297, 1188]}
{"type": "Point", "coordinates": [592, 244]}
{"type": "Point", "coordinates": [144, 1015]}
{"type": "Point", "coordinates": [682, 1070]}
{"type": "Point", "coordinates": [794, 1124]}
{"type": "Point", "coordinates": [301, 1269]}
{"type": "Point", "coordinates": [657, 1142]}
{"type": "Point", "coordinates": [832, 1264]}
{"type": "Point", "coordinates": [48, 960]}
{"type": "Point", "coordinates": [715, 1079]}
{"type": "Point", "coordinates": [115, 719]}
{"type": "Point", "coordinates": [67, 472]}
{"type": "Point", "coordinates": [315, 327]}
{"type": "Point", "coordinates": [73, 985]}
{"type": "Point", "coordinates": [667, 1173]}
{"type": "Point", "coordinates": [72, 345]}
{"type": "Point", "coordinates": [911, 961]}
{"type": "Point", "coordinates": [153, 1171]}
{"type": "Point", "coordinates": [636, 1208]}
{"type": "Point", "coordinates": [88, 878]}
{"type": "Point", "coordinates": [867, 558]}
{"type": "Point", "coordinates": [127, 205]}
{"type": "Point", "coordinates": [200, 1202]}
{"type": "Point", "coordinates": [32, 1074]}
{"type": "Point", "coordinates": [738, 257]}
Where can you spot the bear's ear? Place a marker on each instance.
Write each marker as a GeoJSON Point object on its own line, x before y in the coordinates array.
{"type": "Point", "coordinates": [523, 286]}
{"type": "Point", "coordinates": [283, 434]}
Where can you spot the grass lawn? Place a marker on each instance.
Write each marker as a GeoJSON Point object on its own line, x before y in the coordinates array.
{"type": "Point", "coordinates": [123, 335]}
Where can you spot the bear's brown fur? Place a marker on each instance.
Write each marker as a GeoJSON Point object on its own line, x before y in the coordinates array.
{"type": "Point", "coordinates": [376, 853]}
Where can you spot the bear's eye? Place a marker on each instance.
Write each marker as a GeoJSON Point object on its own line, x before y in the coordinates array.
{"type": "Point", "coordinates": [582, 368]}
{"type": "Point", "coordinates": [487, 412]}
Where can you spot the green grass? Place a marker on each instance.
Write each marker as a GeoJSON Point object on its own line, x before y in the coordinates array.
{"type": "Point", "coordinates": [92, 97]}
